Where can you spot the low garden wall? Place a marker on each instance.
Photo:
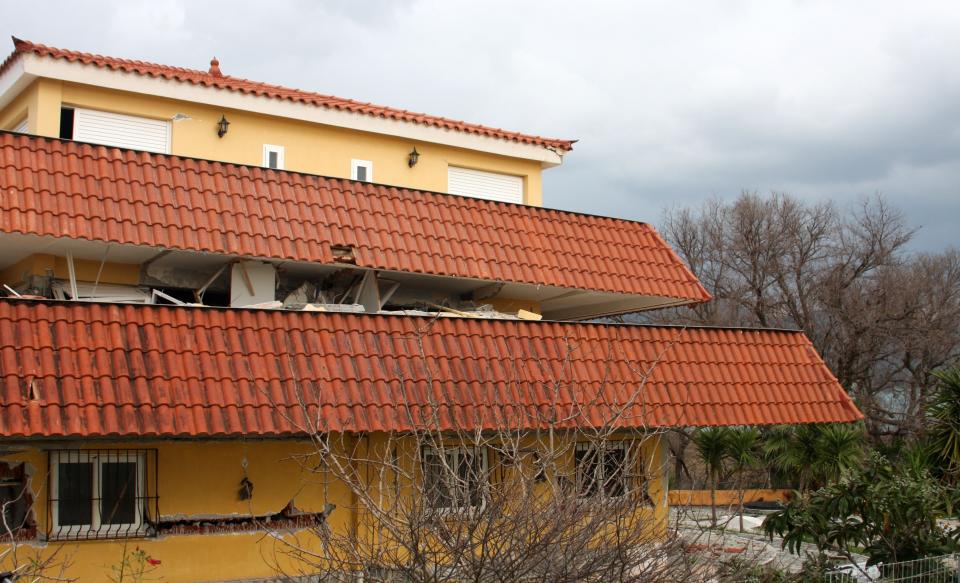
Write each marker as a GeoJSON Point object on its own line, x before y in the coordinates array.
{"type": "Point", "coordinates": [725, 497]}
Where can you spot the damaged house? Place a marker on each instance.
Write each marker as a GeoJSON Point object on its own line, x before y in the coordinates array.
{"type": "Point", "coordinates": [203, 276]}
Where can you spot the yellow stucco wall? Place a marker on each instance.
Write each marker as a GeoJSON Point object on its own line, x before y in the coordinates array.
{"type": "Point", "coordinates": [40, 101]}
{"type": "Point", "coordinates": [309, 147]}
{"type": "Point", "coordinates": [197, 479]}
{"type": "Point", "coordinates": [201, 480]}
{"type": "Point", "coordinates": [18, 109]}
{"type": "Point", "coordinates": [85, 269]}
{"type": "Point", "coordinates": [650, 463]}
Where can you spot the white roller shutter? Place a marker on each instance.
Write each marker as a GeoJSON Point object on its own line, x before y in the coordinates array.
{"type": "Point", "coordinates": [23, 127]}
{"type": "Point", "coordinates": [480, 184]}
{"type": "Point", "coordinates": [124, 131]}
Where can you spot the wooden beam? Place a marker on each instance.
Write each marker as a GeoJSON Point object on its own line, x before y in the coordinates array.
{"type": "Point", "coordinates": [246, 279]}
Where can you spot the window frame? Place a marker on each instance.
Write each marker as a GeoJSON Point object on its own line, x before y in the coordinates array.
{"type": "Point", "coordinates": [22, 126]}
{"type": "Point", "coordinates": [355, 164]}
{"type": "Point", "coordinates": [453, 453]}
{"type": "Point", "coordinates": [633, 479]}
{"type": "Point", "coordinates": [279, 151]}
{"type": "Point", "coordinates": [97, 529]}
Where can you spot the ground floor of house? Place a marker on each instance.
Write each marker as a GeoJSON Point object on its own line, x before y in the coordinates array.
{"type": "Point", "coordinates": [248, 509]}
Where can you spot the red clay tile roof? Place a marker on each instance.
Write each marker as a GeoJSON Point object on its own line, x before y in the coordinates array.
{"type": "Point", "coordinates": [81, 191]}
{"type": "Point", "coordinates": [226, 82]}
{"type": "Point", "coordinates": [116, 370]}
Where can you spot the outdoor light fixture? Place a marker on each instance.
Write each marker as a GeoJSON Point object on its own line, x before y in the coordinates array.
{"type": "Point", "coordinates": [413, 158]}
{"type": "Point", "coordinates": [222, 126]}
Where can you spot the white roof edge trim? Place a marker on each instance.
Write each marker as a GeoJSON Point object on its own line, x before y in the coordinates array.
{"type": "Point", "coordinates": [13, 81]}
{"type": "Point", "coordinates": [36, 66]}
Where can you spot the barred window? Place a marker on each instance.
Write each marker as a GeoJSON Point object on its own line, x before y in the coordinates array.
{"type": "Point", "coordinates": [101, 493]}
{"type": "Point", "coordinates": [610, 470]}
{"type": "Point", "coordinates": [455, 477]}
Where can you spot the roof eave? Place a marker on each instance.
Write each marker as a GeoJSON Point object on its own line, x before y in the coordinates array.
{"type": "Point", "coordinates": [13, 78]}
{"type": "Point", "coordinates": [23, 66]}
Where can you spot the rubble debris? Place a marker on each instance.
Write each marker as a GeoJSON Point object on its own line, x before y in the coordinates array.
{"type": "Point", "coordinates": [271, 305]}
{"type": "Point", "coordinates": [344, 308]}
{"type": "Point", "coordinates": [343, 254]}
{"type": "Point", "coordinates": [256, 284]}
{"type": "Point", "coordinates": [303, 295]}
{"type": "Point", "coordinates": [453, 310]}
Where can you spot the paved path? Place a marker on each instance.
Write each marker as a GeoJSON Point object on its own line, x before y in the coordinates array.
{"type": "Point", "coordinates": [693, 525]}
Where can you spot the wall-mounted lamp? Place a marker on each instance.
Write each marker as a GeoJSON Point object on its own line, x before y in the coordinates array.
{"type": "Point", "coordinates": [246, 489]}
{"type": "Point", "coordinates": [222, 126]}
{"type": "Point", "coordinates": [414, 156]}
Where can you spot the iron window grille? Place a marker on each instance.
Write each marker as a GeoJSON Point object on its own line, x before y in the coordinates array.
{"type": "Point", "coordinates": [102, 494]}
{"type": "Point", "coordinates": [455, 478]}
{"type": "Point", "coordinates": [610, 470]}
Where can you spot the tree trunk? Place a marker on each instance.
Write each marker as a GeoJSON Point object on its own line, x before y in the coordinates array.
{"type": "Point", "coordinates": [713, 501]}
{"type": "Point", "coordinates": [740, 496]}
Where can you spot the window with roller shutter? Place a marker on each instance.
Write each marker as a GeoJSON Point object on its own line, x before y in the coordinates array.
{"type": "Point", "coordinates": [481, 184]}
{"type": "Point", "coordinates": [122, 131]}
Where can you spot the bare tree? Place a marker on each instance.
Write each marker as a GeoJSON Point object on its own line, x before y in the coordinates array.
{"type": "Point", "coordinates": [22, 562]}
{"type": "Point", "coordinates": [883, 318]}
{"type": "Point", "coordinates": [556, 492]}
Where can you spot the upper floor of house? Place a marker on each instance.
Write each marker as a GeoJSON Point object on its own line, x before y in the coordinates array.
{"type": "Point", "coordinates": [78, 96]}
{"type": "Point", "coordinates": [133, 182]}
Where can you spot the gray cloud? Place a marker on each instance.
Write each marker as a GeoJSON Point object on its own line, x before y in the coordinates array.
{"type": "Point", "coordinates": [673, 102]}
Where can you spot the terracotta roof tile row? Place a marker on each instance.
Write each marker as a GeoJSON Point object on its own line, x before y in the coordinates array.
{"type": "Point", "coordinates": [68, 189]}
{"type": "Point", "coordinates": [114, 370]}
{"type": "Point", "coordinates": [226, 82]}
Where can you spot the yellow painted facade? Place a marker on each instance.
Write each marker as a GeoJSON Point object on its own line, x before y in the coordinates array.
{"type": "Point", "coordinates": [86, 270]}
{"type": "Point", "coordinates": [201, 480]}
{"type": "Point", "coordinates": [308, 147]}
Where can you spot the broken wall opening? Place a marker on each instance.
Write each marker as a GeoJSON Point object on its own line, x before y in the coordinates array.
{"type": "Point", "coordinates": [181, 278]}
{"type": "Point", "coordinates": [16, 499]}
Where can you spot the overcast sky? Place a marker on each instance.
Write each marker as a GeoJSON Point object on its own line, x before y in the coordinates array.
{"type": "Point", "coordinates": [673, 102]}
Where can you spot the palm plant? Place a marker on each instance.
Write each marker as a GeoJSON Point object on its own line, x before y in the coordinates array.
{"type": "Point", "coordinates": [816, 454]}
{"type": "Point", "coordinates": [711, 446]}
{"type": "Point", "coordinates": [793, 450]}
{"type": "Point", "coordinates": [839, 449]}
{"type": "Point", "coordinates": [943, 416]}
{"type": "Point", "coordinates": [918, 459]}
{"type": "Point", "coordinates": [743, 451]}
